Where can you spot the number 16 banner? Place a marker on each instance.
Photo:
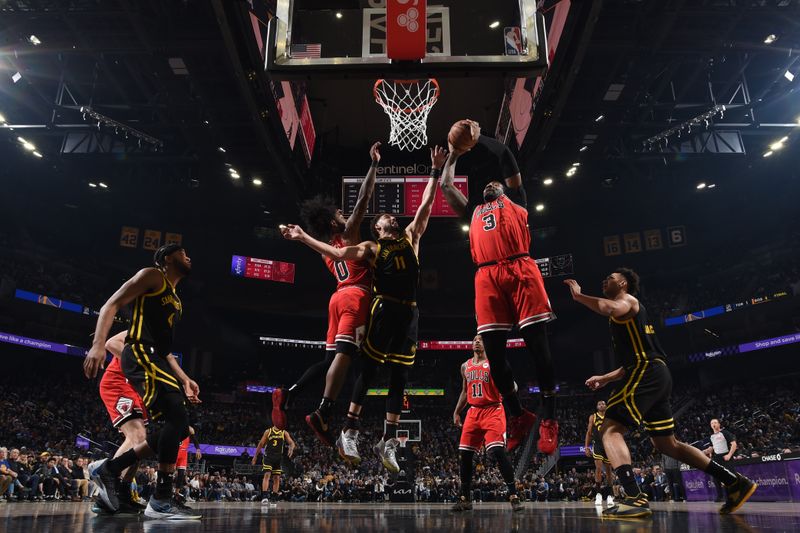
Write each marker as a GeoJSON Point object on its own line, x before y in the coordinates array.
{"type": "Point", "coordinates": [406, 29]}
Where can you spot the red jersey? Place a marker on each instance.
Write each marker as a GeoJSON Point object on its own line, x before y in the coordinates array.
{"type": "Point", "coordinates": [481, 390]}
{"type": "Point", "coordinates": [499, 230]}
{"type": "Point", "coordinates": [349, 273]}
{"type": "Point", "coordinates": [184, 446]}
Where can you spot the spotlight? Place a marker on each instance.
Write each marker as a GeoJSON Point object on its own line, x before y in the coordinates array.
{"type": "Point", "coordinates": [788, 75]}
{"type": "Point", "coordinates": [92, 185]}
{"type": "Point", "coordinates": [34, 40]}
{"type": "Point", "coordinates": [102, 185]}
{"type": "Point", "coordinates": [37, 154]}
{"type": "Point", "coordinates": [339, 14]}
{"type": "Point", "coordinates": [2, 119]}
{"type": "Point", "coordinates": [494, 24]}
{"type": "Point", "coordinates": [776, 146]}
{"type": "Point", "coordinates": [465, 228]}
{"type": "Point", "coordinates": [548, 181]}
{"type": "Point", "coordinates": [784, 139]}
{"type": "Point", "coordinates": [221, 149]}
{"type": "Point", "coordinates": [29, 147]}
{"type": "Point", "coordinates": [767, 154]}
{"type": "Point", "coordinates": [571, 172]}
{"type": "Point", "coordinates": [235, 175]}
{"type": "Point", "coordinates": [599, 118]}
{"type": "Point", "coordinates": [701, 185]}
{"type": "Point", "coordinates": [539, 207]}
{"type": "Point", "coordinates": [771, 38]}
{"type": "Point", "coordinates": [576, 164]}
{"type": "Point", "coordinates": [712, 185]}
{"type": "Point", "coordinates": [257, 182]}
{"type": "Point", "coordinates": [583, 148]}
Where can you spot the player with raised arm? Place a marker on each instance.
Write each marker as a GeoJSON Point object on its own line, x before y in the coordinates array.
{"type": "Point", "coordinates": [509, 289]}
{"type": "Point", "coordinates": [593, 447]}
{"type": "Point", "coordinates": [644, 398]}
{"type": "Point", "coordinates": [153, 372]}
{"type": "Point", "coordinates": [272, 442]}
{"type": "Point", "coordinates": [391, 336]}
{"type": "Point", "coordinates": [348, 307]}
{"type": "Point", "coordinates": [484, 426]}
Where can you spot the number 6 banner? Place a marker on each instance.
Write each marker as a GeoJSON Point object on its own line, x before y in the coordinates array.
{"type": "Point", "coordinates": [406, 29]}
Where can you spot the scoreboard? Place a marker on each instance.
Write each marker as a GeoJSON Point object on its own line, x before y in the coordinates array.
{"type": "Point", "coordinates": [267, 269]}
{"type": "Point", "coordinates": [398, 195]}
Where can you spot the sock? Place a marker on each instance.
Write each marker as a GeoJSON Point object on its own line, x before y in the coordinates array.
{"type": "Point", "coordinates": [163, 485]}
{"type": "Point", "coordinates": [465, 469]}
{"type": "Point", "coordinates": [721, 473]}
{"type": "Point", "coordinates": [628, 481]}
{"type": "Point", "coordinates": [325, 407]}
{"type": "Point", "coordinates": [512, 405]}
{"type": "Point", "coordinates": [352, 422]}
{"type": "Point", "coordinates": [118, 464]}
{"type": "Point", "coordinates": [512, 489]}
{"type": "Point", "coordinates": [549, 405]}
{"type": "Point", "coordinates": [391, 430]}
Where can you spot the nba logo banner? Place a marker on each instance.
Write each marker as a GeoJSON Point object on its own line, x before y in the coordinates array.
{"type": "Point", "coordinates": [406, 29]}
{"type": "Point", "coordinates": [513, 39]}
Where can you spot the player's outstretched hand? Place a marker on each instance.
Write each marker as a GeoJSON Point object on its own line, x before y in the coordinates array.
{"type": "Point", "coordinates": [457, 419]}
{"type": "Point", "coordinates": [596, 382]}
{"type": "Point", "coordinates": [574, 288]}
{"type": "Point", "coordinates": [95, 360]}
{"type": "Point", "coordinates": [292, 232]}
{"type": "Point", "coordinates": [438, 157]}
{"type": "Point", "coordinates": [375, 153]}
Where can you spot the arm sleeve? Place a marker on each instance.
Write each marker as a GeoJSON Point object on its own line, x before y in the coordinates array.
{"type": "Point", "coordinates": [518, 196]}
{"type": "Point", "coordinates": [501, 154]}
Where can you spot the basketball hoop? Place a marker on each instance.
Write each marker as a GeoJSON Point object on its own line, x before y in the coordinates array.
{"type": "Point", "coordinates": [402, 440]}
{"type": "Point", "coordinates": [407, 102]}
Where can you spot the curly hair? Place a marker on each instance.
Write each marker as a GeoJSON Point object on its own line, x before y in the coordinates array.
{"type": "Point", "coordinates": [316, 214]}
{"type": "Point", "coordinates": [631, 277]}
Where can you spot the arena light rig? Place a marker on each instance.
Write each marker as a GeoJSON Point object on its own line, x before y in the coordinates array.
{"type": "Point", "coordinates": [120, 128]}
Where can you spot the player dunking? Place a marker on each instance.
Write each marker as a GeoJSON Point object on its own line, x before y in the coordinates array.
{"type": "Point", "coordinates": [644, 399]}
{"type": "Point", "coordinates": [485, 425]}
{"type": "Point", "coordinates": [128, 416]}
{"type": "Point", "coordinates": [391, 336]}
{"type": "Point", "coordinates": [272, 442]}
{"type": "Point", "coordinates": [509, 288]}
{"type": "Point", "coordinates": [348, 307]}
{"type": "Point", "coordinates": [153, 372]}
{"type": "Point", "coordinates": [593, 447]}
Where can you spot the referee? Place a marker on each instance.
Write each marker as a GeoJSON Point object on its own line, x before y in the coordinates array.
{"type": "Point", "coordinates": [723, 446]}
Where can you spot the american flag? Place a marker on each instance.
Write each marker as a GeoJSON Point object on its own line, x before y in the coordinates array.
{"type": "Point", "coordinates": [303, 51]}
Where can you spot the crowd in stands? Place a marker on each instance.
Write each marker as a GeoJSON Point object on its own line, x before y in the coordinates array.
{"type": "Point", "coordinates": [43, 414]}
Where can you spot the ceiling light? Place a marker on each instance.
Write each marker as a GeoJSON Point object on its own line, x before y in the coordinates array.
{"type": "Point", "coordinates": [339, 14]}
{"type": "Point", "coordinates": [571, 172]}
{"type": "Point", "coordinates": [22, 140]}
{"type": "Point", "coordinates": [701, 185]}
{"type": "Point", "coordinates": [494, 24]}
{"type": "Point", "coordinates": [37, 154]}
{"type": "Point", "coordinates": [767, 154]}
{"type": "Point", "coordinates": [599, 118]}
{"type": "Point", "coordinates": [788, 75]}
{"type": "Point", "coordinates": [221, 149]}
{"type": "Point", "coordinates": [2, 119]}
{"type": "Point", "coordinates": [34, 40]}
{"type": "Point", "coordinates": [583, 148]}
{"type": "Point", "coordinates": [776, 146]}
{"type": "Point", "coordinates": [257, 182]}
{"type": "Point", "coordinates": [784, 139]}
{"type": "Point", "coordinates": [103, 185]}
{"type": "Point", "coordinates": [92, 185]}
{"type": "Point", "coordinates": [16, 77]}
{"type": "Point", "coordinates": [29, 147]}
{"type": "Point", "coordinates": [771, 38]}
{"type": "Point", "coordinates": [235, 175]}
{"type": "Point", "coordinates": [540, 207]}
{"type": "Point", "coordinates": [232, 170]}
{"type": "Point", "coordinates": [465, 228]}
{"type": "Point", "coordinates": [576, 164]}
{"type": "Point", "coordinates": [712, 185]}
{"type": "Point", "coordinates": [548, 181]}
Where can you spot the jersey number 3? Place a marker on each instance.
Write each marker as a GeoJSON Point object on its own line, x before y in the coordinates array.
{"type": "Point", "coordinates": [342, 272]}
{"type": "Point", "coordinates": [489, 222]}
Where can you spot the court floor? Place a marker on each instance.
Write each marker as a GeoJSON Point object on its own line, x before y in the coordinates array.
{"type": "Point", "coordinates": [351, 518]}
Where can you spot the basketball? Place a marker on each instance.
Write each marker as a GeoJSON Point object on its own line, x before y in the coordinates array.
{"type": "Point", "coordinates": [463, 135]}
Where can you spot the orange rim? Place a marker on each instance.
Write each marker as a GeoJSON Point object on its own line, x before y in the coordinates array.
{"type": "Point", "coordinates": [430, 102]}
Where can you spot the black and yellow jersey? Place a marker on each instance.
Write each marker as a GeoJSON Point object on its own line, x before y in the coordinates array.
{"type": "Point", "coordinates": [154, 317]}
{"type": "Point", "coordinates": [634, 340]}
{"type": "Point", "coordinates": [396, 270]}
{"type": "Point", "coordinates": [598, 422]}
{"type": "Point", "coordinates": [275, 442]}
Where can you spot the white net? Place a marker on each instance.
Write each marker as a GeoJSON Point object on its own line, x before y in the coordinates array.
{"type": "Point", "coordinates": [407, 103]}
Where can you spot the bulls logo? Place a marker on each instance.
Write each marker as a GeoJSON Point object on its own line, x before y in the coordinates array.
{"type": "Point", "coordinates": [124, 405]}
{"type": "Point", "coordinates": [485, 364]}
{"type": "Point", "coordinates": [409, 19]}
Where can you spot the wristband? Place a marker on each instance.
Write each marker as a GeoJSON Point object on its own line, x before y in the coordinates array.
{"type": "Point", "coordinates": [374, 164]}
{"type": "Point", "coordinates": [436, 172]}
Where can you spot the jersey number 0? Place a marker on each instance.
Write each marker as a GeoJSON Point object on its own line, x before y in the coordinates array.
{"type": "Point", "coordinates": [342, 272]}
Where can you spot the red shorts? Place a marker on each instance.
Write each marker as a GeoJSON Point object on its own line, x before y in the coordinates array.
{"type": "Point", "coordinates": [183, 458]}
{"type": "Point", "coordinates": [121, 400]}
{"type": "Point", "coordinates": [510, 293]}
{"type": "Point", "coordinates": [483, 426]}
{"type": "Point", "coordinates": [347, 317]}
